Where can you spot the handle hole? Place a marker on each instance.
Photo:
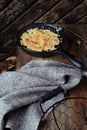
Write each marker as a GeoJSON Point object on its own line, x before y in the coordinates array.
{"type": "Point", "coordinates": [66, 77]}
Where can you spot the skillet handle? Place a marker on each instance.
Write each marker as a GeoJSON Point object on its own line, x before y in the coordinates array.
{"type": "Point", "coordinates": [72, 58]}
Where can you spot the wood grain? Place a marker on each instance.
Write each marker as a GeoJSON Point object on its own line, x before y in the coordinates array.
{"type": "Point", "coordinates": [15, 9]}
{"type": "Point", "coordinates": [4, 4]}
{"type": "Point", "coordinates": [83, 20]}
{"type": "Point", "coordinates": [8, 49]}
{"type": "Point", "coordinates": [58, 11]}
{"type": "Point", "coordinates": [75, 15]}
{"type": "Point", "coordinates": [8, 64]}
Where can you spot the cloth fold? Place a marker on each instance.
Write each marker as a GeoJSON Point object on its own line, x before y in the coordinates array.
{"type": "Point", "coordinates": [22, 90]}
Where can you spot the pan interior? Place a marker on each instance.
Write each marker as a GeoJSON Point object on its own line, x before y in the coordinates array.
{"type": "Point", "coordinates": [38, 39]}
{"type": "Point", "coordinates": [43, 27]}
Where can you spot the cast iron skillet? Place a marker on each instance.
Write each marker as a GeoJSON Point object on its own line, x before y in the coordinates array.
{"type": "Point", "coordinates": [58, 48]}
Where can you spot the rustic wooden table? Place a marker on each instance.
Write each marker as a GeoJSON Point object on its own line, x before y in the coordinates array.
{"type": "Point", "coordinates": [70, 14]}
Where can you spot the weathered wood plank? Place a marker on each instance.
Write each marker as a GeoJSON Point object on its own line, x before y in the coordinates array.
{"type": "Point", "coordinates": [80, 90]}
{"type": "Point", "coordinates": [22, 61]}
{"type": "Point", "coordinates": [83, 20]}
{"type": "Point", "coordinates": [75, 15]}
{"type": "Point", "coordinates": [28, 17]}
{"type": "Point", "coordinates": [8, 49]}
{"type": "Point", "coordinates": [59, 11]}
{"type": "Point", "coordinates": [4, 3]}
{"type": "Point", "coordinates": [74, 28]}
{"type": "Point", "coordinates": [13, 11]}
{"type": "Point", "coordinates": [8, 64]}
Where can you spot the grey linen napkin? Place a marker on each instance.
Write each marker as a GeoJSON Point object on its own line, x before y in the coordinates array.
{"type": "Point", "coordinates": [24, 91]}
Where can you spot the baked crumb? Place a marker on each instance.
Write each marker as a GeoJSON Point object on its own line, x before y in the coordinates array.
{"type": "Point", "coordinates": [38, 39]}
